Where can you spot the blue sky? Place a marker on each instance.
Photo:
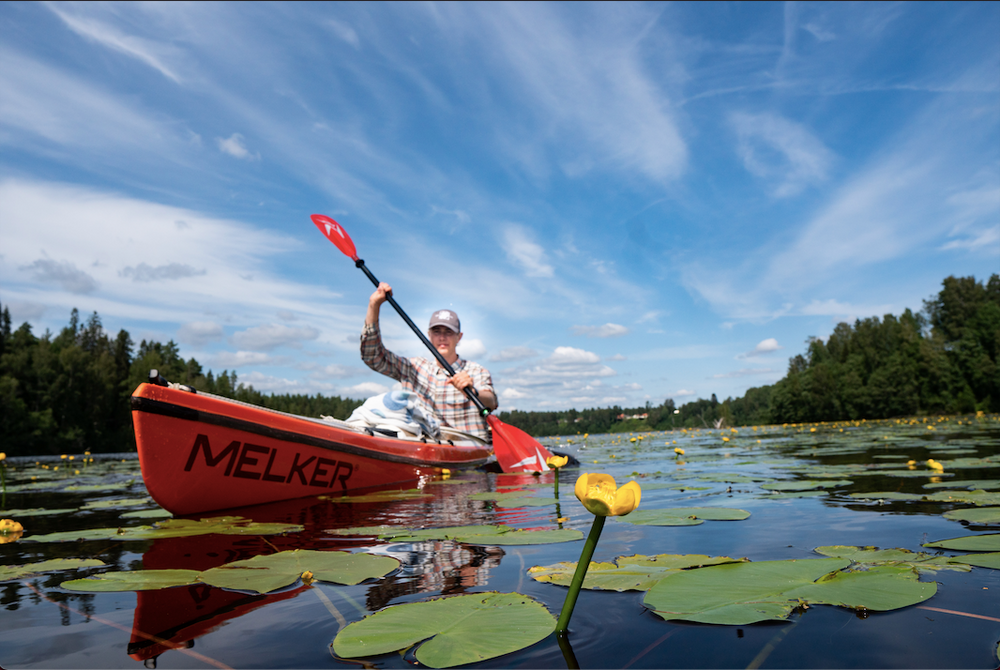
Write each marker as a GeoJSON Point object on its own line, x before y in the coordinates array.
{"type": "Point", "coordinates": [623, 202]}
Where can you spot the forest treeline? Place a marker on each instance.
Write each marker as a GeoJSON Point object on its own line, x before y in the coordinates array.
{"type": "Point", "coordinates": [942, 359]}
{"type": "Point", "coordinates": [70, 391]}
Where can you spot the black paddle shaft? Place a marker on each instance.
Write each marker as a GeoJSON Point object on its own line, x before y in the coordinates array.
{"type": "Point", "coordinates": [469, 391]}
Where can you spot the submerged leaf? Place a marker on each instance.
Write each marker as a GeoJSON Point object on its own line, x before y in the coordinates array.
{"type": "Point", "coordinates": [744, 593]}
{"type": "Point", "coordinates": [136, 580]}
{"type": "Point", "coordinates": [451, 629]}
{"type": "Point", "coordinates": [264, 574]}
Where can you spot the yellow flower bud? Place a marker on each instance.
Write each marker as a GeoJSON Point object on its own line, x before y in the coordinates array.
{"type": "Point", "coordinates": [602, 497]}
{"type": "Point", "coordinates": [556, 461]}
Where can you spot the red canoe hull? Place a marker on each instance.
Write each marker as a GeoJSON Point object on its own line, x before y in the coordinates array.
{"type": "Point", "coordinates": [201, 453]}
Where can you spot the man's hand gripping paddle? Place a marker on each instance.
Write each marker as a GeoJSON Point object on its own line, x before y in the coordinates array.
{"type": "Point", "coordinates": [516, 451]}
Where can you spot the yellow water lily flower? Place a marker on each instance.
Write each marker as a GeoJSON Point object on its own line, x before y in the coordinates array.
{"type": "Point", "coordinates": [3, 456]}
{"type": "Point", "coordinates": [678, 451]}
{"type": "Point", "coordinates": [556, 461]}
{"type": "Point", "coordinates": [934, 465]}
{"type": "Point", "coordinates": [10, 526]}
{"type": "Point", "coordinates": [602, 497]}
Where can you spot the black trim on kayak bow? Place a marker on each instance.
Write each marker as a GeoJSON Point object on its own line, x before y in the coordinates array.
{"type": "Point", "coordinates": [187, 414]}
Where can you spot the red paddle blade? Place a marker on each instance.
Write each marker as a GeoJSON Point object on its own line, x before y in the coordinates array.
{"type": "Point", "coordinates": [336, 234]}
{"type": "Point", "coordinates": [516, 451]}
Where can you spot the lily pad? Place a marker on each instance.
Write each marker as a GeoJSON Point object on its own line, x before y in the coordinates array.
{"type": "Point", "coordinates": [158, 513]}
{"type": "Point", "coordinates": [989, 560]}
{"type": "Point", "coordinates": [806, 485]}
{"type": "Point", "coordinates": [34, 511]}
{"type": "Point", "coordinates": [683, 516]}
{"type": "Point", "coordinates": [225, 525]}
{"type": "Point", "coordinates": [626, 573]}
{"type": "Point", "coordinates": [979, 515]}
{"type": "Point", "coordinates": [135, 580]}
{"type": "Point", "coordinates": [112, 504]}
{"type": "Point", "coordinates": [450, 631]}
{"type": "Point", "coordinates": [921, 562]}
{"type": "Point", "coordinates": [988, 542]}
{"type": "Point", "coordinates": [744, 593]}
{"type": "Point", "coordinates": [9, 572]}
{"type": "Point", "coordinates": [264, 574]}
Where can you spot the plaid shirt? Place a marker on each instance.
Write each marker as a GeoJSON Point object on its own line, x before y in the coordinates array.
{"type": "Point", "coordinates": [428, 379]}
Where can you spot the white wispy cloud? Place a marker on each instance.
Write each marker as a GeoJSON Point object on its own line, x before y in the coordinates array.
{"type": "Point", "coordinates": [780, 151]}
{"type": "Point", "coordinates": [511, 354]}
{"type": "Point", "coordinates": [235, 146]}
{"type": "Point", "coordinates": [607, 330]}
{"type": "Point", "coordinates": [143, 50]}
{"type": "Point", "coordinates": [525, 252]}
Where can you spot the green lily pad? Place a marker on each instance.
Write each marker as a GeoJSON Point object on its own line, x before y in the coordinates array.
{"type": "Point", "coordinates": [381, 496]}
{"type": "Point", "coordinates": [970, 485]}
{"type": "Point", "coordinates": [806, 485]}
{"type": "Point", "coordinates": [683, 516]}
{"type": "Point", "coordinates": [979, 515]}
{"type": "Point", "coordinates": [117, 486]}
{"type": "Point", "coordinates": [264, 574]}
{"type": "Point", "coordinates": [224, 525]}
{"type": "Point", "coordinates": [9, 572]}
{"type": "Point", "coordinates": [450, 631]}
{"type": "Point", "coordinates": [135, 580]}
{"type": "Point", "coordinates": [512, 503]}
{"type": "Point", "coordinates": [988, 542]}
{"type": "Point", "coordinates": [34, 511]}
{"type": "Point", "coordinates": [112, 504]}
{"type": "Point", "coordinates": [524, 537]}
{"type": "Point", "coordinates": [744, 593]}
{"type": "Point", "coordinates": [989, 560]}
{"type": "Point", "coordinates": [158, 513]}
{"type": "Point", "coordinates": [921, 562]}
{"type": "Point", "coordinates": [626, 573]}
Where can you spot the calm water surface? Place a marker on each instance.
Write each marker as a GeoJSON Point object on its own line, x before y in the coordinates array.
{"type": "Point", "coordinates": [45, 626]}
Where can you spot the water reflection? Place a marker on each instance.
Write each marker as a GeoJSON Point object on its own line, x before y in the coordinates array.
{"type": "Point", "coordinates": [173, 618]}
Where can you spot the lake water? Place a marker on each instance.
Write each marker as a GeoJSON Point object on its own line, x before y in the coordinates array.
{"type": "Point", "coordinates": [45, 626]}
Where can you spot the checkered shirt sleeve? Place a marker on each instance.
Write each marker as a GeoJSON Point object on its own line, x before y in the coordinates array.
{"type": "Point", "coordinates": [429, 380]}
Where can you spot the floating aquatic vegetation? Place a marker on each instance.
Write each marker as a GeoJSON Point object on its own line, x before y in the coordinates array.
{"type": "Point", "coordinates": [260, 574]}
{"type": "Point", "coordinates": [450, 631]}
{"type": "Point", "coordinates": [36, 511]}
{"type": "Point", "coordinates": [135, 580]}
{"type": "Point", "coordinates": [744, 593]}
{"type": "Point", "coordinates": [9, 572]}
{"type": "Point", "coordinates": [263, 574]}
{"type": "Point", "coordinates": [488, 535]}
{"type": "Point", "coordinates": [114, 504]}
{"type": "Point", "coordinates": [225, 525]}
{"type": "Point", "coordinates": [920, 561]}
{"type": "Point", "coordinates": [805, 485]}
{"type": "Point", "coordinates": [626, 573]}
{"type": "Point", "coordinates": [684, 516]}
{"type": "Point", "coordinates": [986, 542]}
{"type": "Point", "coordinates": [978, 515]}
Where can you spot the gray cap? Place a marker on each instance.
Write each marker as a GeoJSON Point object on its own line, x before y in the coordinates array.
{"type": "Point", "coordinates": [447, 318]}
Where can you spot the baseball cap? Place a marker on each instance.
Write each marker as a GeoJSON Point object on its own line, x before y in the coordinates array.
{"type": "Point", "coordinates": [447, 318]}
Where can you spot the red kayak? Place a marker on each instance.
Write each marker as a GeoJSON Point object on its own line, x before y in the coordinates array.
{"type": "Point", "coordinates": [200, 452]}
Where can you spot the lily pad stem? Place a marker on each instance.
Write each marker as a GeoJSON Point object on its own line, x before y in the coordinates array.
{"type": "Point", "coordinates": [556, 470]}
{"type": "Point", "coordinates": [581, 571]}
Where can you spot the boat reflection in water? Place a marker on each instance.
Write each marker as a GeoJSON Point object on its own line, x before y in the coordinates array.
{"type": "Point", "coordinates": [173, 618]}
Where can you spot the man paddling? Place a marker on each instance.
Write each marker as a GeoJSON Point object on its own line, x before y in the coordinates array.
{"type": "Point", "coordinates": [443, 394]}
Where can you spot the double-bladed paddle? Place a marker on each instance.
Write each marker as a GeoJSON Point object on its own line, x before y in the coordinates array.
{"type": "Point", "coordinates": [516, 451]}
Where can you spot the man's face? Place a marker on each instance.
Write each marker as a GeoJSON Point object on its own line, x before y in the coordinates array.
{"type": "Point", "coordinates": [445, 340]}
